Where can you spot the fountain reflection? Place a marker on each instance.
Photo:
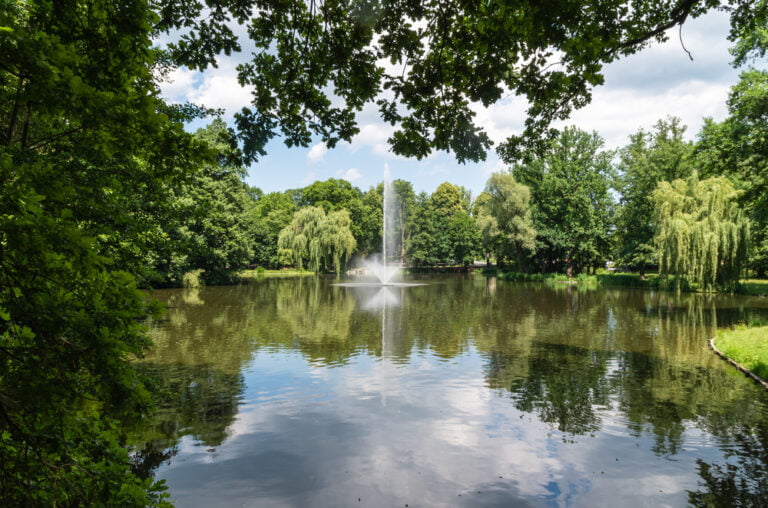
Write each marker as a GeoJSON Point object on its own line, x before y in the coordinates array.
{"type": "Point", "coordinates": [384, 297]}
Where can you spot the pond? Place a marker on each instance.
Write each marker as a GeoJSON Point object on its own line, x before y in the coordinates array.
{"type": "Point", "coordinates": [461, 392]}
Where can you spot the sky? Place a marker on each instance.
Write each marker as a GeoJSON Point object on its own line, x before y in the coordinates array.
{"type": "Point", "coordinates": [639, 90]}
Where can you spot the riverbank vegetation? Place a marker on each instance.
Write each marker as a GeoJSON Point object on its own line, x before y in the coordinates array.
{"type": "Point", "coordinates": [104, 191]}
{"type": "Point", "coordinates": [746, 345]}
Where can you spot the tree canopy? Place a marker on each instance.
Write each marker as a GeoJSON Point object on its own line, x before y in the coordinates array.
{"type": "Point", "coordinates": [101, 182]}
{"type": "Point", "coordinates": [701, 232]}
{"type": "Point", "coordinates": [423, 64]}
{"type": "Point", "coordinates": [320, 239]}
{"type": "Point", "coordinates": [505, 218]}
{"type": "Point", "coordinates": [651, 157]}
{"type": "Point", "coordinates": [571, 202]}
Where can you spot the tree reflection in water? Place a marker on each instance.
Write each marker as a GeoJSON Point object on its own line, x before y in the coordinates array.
{"type": "Point", "coordinates": [572, 356]}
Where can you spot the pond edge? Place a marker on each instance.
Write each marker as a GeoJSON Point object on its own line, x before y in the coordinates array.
{"type": "Point", "coordinates": [757, 379]}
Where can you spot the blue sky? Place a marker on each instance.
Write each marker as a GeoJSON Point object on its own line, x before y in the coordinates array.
{"type": "Point", "coordinates": [639, 90]}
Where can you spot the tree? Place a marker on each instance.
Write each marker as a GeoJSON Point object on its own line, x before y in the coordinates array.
{"type": "Point", "coordinates": [508, 228]}
{"type": "Point", "coordinates": [405, 198]}
{"type": "Point", "coordinates": [210, 233]}
{"type": "Point", "coordinates": [464, 236]}
{"type": "Point", "coordinates": [570, 200]}
{"type": "Point", "coordinates": [445, 55]}
{"type": "Point", "coordinates": [337, 194]}
{"type": "Point", "coordinates": [318, 238]}
{"type": "Point", "coordinates": [650, 157]}
{"type": "Point", "coordinates": [85, 148]}
{"type": "Point", "coordinates": [443, 231]}
{"type": "Point", "coordinates": [268, 216]}
{"type": "Point", "coordinates": [738, 148]}
{"type": "Point", "coordinates": [702, 233]}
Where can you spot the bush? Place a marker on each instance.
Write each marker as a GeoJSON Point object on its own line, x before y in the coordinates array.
{"type": "Point", "coordinates": [193, 279]}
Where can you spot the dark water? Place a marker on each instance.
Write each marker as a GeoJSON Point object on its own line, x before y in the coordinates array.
{"type": "Point", "coordinates": [463, 392]}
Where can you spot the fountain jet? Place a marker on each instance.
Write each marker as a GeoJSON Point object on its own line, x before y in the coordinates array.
{"type": "Point", "coordinates": [382, 268]}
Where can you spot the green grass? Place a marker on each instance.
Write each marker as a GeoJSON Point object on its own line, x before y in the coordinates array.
{"type": "Point", "coordinates": [274, 273]}
{"type": "Point", "coordinates": [550, 277]}
{"type": "Point", "coordinates": [754, 287]}
{"type": "Point", "coordinates": [746, 345]}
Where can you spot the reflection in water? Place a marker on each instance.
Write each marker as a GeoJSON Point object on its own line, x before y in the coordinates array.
{"type": "Point", "coordinates": [296, 392]}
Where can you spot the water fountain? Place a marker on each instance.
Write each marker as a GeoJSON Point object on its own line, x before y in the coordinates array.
{"type": "Point", "coordinates": [381, 267]}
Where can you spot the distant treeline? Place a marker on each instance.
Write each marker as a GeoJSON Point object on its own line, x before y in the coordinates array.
{"type": "Point", "coordinates": [687, 209]}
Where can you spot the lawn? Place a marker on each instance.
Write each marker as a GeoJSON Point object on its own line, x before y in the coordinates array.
{"type": "Point", "coordinates": [747, 346]}
{"type": "Point", "coordinates": [754, 287]}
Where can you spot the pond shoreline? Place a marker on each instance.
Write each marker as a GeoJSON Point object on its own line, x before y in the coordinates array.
{"type": "Point", "coordinates": [757, 379]}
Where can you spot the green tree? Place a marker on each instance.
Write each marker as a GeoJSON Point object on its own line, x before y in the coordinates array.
{"type": "Point", "coordinates": [570, 201]}
{"type": "Point", "coordinates": [211, 230]}
{"type": "Point", "coordinates": [738, 148]}
{"type": "Point", "coordinates": [650, 157]}
{"type": "Point", "coordinates": [268, 216]}
{"type": "Point", "coordinates": [443, 230]}
{"type": "Point", "coordinates": [507, 224]}
{"type": "Point", "coordinates": [702, 233]}
{"type": "Point", "coordinates": [405, 198]}
{"type": "Point", "coordinates": [316, 65]}
{"type": "Point", "coordinates": [337, 194]}
{"type": "Point", "coordinates": [85, 148]}
{"type": "Point", "coordinates": [321, 240]}
{"type": "Point", "coordinates": [371, 222]}
{"type": "Point", "coordinates": [464, 236]}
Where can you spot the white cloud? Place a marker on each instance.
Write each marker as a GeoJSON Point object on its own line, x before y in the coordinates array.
{"type": "Point", "coordinates": [316, 153]}
{"type": "Point", "coordinates": [179, 83]}
{"type": "Point", "coordinates": [351, 175]}
{"type": "Point", "coordinates": [214, 88]}
{"type": "Point", "coordinates": [615, 114]}
{"type": "Point", "coordinates": [374, 135]}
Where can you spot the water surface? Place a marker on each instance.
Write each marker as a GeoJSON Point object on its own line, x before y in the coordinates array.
{"type": "Point", "coordinates": [462, 392]}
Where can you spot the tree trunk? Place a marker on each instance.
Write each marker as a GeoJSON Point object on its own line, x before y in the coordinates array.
{"type": "Point", "coordinates": [569, 264]}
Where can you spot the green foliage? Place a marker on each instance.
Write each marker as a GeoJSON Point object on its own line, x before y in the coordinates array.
{"type": "Point", "coordinates": [316, 65]}
{"type": "Point", "coordinates": [625, 280]}
{"type": "Point", "coordinates": [702, 233]}
{"type": "Point", "coordinates": [192, 279]}
{"type": "Point", "coordinates": [750, 33]}
{"type": "Point", "coordinates": [319, 238]}
{"type": "Point", "coordinates": [210, 233]}
{"type": "Point", "coordinates": [504, 218]}
{"type": "Point", "coordinates": [650, 157]}
{"type": "Point", "coordinates": [570, 200]}
{"type": "Point", "coordinates": [267, 216]}
{"type": "Point", "coordinates": [364, 210]}
{"type": "Point", "coordinates": [442, 230]}
{"type": "Point", "coordinates": [85, 146]}
{"type": "Point", "coordinates": [746, 345]}
{"type": "Point", "coordinates": [545, 277]}
{"type": "Point", "coordinates": [738, 148]}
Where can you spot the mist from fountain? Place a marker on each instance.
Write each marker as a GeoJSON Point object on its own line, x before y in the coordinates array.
{"type": "Point", "coordinates": [381, 267]}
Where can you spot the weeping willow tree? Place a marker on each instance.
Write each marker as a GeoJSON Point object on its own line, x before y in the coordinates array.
{"type": "Point", "coordinates": [701, 234]}
{"type": "Point", "coordinates": [336, 239]}
{"type": "Point", "coordinates": [318, 238]}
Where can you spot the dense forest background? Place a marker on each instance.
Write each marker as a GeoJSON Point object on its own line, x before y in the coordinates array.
{"type": "Point", "coordinates": [103, 191]}
{"type": "Point", "coordinates": [660, 202]}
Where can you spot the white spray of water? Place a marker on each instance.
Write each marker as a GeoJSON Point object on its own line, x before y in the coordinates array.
{"type": "Point", "coordinates": [382, 269]}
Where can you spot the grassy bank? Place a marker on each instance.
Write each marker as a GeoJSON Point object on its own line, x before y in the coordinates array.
{"type": "Point", "coordinates": [549, 277]}
{"type": "Point", "coordinates": [747, 346]}
{"type": "Point", "coordinates": [755, 287]}
{"type": "Point", "coordinates": [261, 272]}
